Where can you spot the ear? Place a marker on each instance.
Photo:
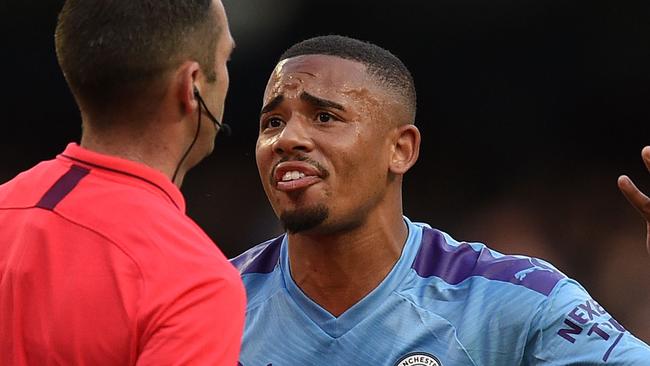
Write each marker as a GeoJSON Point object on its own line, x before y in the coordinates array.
{"type": "Point", "coordinates": [406, 149]}
{"type": "Point", "coordinates": [187, 81]}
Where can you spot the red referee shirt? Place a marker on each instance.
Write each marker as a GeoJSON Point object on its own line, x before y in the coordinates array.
{"type": "Point", "coordinates": [99, 265]}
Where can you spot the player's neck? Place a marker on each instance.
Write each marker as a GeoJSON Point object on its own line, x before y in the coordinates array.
{"type": "Point", "coordinates": [337, 271]}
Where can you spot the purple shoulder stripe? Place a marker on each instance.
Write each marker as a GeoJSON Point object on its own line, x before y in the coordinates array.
{"type": "Point", "coordinates": [62, 187]}
{"type": "Point", "coordinates": [260, 259]}
{"type": "Point", "coordinates": [455, 264]}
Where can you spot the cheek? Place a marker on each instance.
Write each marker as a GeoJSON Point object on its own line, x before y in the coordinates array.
{"type": "Point", "coordinates": [260, 154]}
{"type": "Point", "coordinates": [264, 158]}
{"type": "Point", "coordinates": [264, 147]}
{"type": "Point", "coordinates": [362, 168]}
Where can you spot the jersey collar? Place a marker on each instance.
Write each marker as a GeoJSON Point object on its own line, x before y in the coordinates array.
{"type": "Point", "coordinates": [337, 326]}
{"type": "Point", "coordinates": [127, 168]}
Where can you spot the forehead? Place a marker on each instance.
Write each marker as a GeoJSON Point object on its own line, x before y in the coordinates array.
{"type": "Point", "coordinates": [323, 74]}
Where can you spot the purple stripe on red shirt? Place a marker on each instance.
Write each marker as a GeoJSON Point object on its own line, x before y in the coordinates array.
{"type": "Point", "coordinates": [454, 264]}
{"type": "Point", "coordinates": [261, 259]}
{"type": "Point", "coordinates": [62, 187]}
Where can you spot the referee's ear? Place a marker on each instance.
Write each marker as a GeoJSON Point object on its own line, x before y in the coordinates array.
{"type": "Point", "coordinates": [406, 149]}
{"type": "Point", "coordinates": [187, 76]}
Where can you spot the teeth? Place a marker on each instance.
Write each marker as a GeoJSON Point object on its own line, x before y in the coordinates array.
{"type": "Point", "coordinates": [292, 175]}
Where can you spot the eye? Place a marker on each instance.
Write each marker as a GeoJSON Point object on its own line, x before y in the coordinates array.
{"type": "Point", "coordinates": [324, 117]}
{"type": "Point", "coordinates": [272, 122]}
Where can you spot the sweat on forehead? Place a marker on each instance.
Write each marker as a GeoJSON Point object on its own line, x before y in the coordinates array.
{"type": "Point", "coordinates": [335, 79]}
{"type": "Point", "coordinates": [386, 68]}
{"type": "Point", "coordinates": [321, 71]}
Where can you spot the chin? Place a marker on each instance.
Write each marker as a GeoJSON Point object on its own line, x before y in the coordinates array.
{"type": "Point", "coordinates": [207, 149]}
{"type": "Point", "coordinates": [304, 219]}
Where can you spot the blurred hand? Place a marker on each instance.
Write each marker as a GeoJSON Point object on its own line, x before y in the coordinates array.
{"type": "Point", "coordinates": [637, 198]}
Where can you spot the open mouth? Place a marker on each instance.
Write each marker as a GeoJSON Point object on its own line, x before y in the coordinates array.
{"type": "Point", "coordinates": [292, 175]}
{"type": "Point", "coordinates": [295, 175]}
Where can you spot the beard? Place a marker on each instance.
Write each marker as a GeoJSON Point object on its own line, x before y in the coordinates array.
{"type": "Point", "coordinates": [304, 219]}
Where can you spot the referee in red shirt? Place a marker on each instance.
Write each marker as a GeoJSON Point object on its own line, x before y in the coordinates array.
{"type": "Point", "coordinates": [99, 264]}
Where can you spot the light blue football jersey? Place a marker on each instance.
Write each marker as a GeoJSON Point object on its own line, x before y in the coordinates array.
{"type": "Point", "coordinates": [445, 303]}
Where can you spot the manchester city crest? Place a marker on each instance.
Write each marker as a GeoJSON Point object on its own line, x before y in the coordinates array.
{"type": "Point", "coordinates": [418, 359]}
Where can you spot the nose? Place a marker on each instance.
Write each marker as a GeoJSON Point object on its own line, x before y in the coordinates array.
{"type": "Point", "coordinates": [295, 137]}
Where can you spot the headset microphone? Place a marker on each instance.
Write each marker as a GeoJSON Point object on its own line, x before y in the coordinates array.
{"type": "Point", "coordinates": [222, 126]}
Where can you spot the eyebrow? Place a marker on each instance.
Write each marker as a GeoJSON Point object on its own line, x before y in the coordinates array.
{"type": "Point", "coordinates": [313, 100]}
{"type": "Point", "coordinates": [272, 104]}
{"type": "Point", "coordinates": [319, 102]}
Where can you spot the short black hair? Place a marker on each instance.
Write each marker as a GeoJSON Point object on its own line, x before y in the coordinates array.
{"type": "Point", "coordinates": [387, 68]}
{"type": "Point", "coordinates": [109, 49]}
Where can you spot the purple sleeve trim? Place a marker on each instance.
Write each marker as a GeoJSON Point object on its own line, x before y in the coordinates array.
{"type": "Point", "coordinates": [62, 187]}
{"type": "Point", "coordinates": [454, 264]}
{"type": "Point", "coordinates": [260, 259]}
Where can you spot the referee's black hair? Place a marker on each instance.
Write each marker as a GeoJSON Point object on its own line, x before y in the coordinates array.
{"type": "Point", "coordinates": [380, 63]}
{"type": "Point", "coordinates": [111, 51]}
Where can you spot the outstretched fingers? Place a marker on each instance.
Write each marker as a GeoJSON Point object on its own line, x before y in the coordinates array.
{"type": "Point", "coordinates": [636, 198]}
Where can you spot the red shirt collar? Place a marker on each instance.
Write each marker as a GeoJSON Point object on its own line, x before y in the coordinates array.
{"type": "Point", "coordinates": [118, 165]}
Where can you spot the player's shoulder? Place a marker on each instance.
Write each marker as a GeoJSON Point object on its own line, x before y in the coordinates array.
{"type": "Point", "coordinates": [459, 262]}
{"type": "Point", "coordinates": [260, 273]}
{"type": "Point", "coordinates": [262, 258]}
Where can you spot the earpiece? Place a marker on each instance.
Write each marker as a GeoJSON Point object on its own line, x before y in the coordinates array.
{"type": "Point", "coordinates": [221, 126]}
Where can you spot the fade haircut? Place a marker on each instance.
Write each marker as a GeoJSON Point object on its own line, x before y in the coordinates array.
{"type": "Point", "coordinates": [380, 63]}
{"type": "Point", "coordinates": [112, 51]}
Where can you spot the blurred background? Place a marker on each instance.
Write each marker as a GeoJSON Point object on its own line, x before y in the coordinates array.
{"type": "Point", "coordinates": [529, 111]}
